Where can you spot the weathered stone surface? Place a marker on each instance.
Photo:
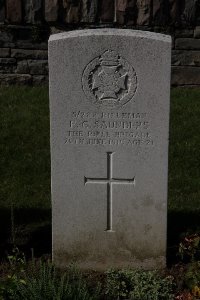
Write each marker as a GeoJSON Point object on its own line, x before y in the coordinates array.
{"type": "Point", "coordinates": [5, 36]}
{"type": "Point", "coordinates": [197, 32]}
{"type": "Point", "coordinates": [184, 33]}
{"type": "Point", "coordinates": [131, 12]}
{"type": "Point", "coordinates": [33, 11]}
{"type": "Point", "coordinates": [4, 52]}
{"type": "Point", "coordinates": [127, 12]}
{"type": "Point", "coordinates": [187, 44]}
{"type": "Point", "coordinates": [144, 11]}
{"type": "Point", "coordinates": [7, 61]}
{"type": "Point", "coordinates": [72, 11]}
{"type": "Point", "coordinates": [30, 38]}
{"type": "Point", "coordinates": [7, 65]}
{"type": "Point", "coordinates": [20, 32]}
{"type": "Point", "coordinates": [189, 13]}
{"type": "Point", "coordinates": [107, 11]}
{"type": "Point", "coordinates": [120, 17]}
{"type": "Point", "coordinates": [8, 79]}
{"type": "Point", "coordinates": [89, 11]}
{"type": "Point", "coordinates": [161, 12]}
{"type": "Point", "coordinates": [198, 15]}
{"type": "Point", "coordinates": [14, 11]}
{"type": "Point", "coordinates": [185, 76]}
{"type": "Point", "coordinates": [30, 45]}
{"type": "Point", "coordinates": [40, 79]}
{"type": "Point", "coordinates": [38, 67]}
{"type": "Point", "coordinates": [6, 69]}
{"type": "Point", "coordinates": [2, 12]}
{"type": "Point", "coordinates": [109, 103]}
{"type": "Point", "coordinates": [25, 53]}
{"type": "Point", "coordinates": [186, 58]}
{"type": "Point", "coordinates": [51, 10]}
{"type": "Point", "coordinates": [22, 67]}
{"type": "Point", "coordinates": [121, 8]}
{"type": "Point", "coordinates": [173, 43]}
{"type": "Point", "coordinates": [6, 44]}
{"type": "Point", "coordinates": [122, 5]}
{"type": "Point", "coordinates": [54, 30]}
{"type": "Point", "coordinates": [175, 11]}
{"type": "Point", "coordinates": [33, 67]}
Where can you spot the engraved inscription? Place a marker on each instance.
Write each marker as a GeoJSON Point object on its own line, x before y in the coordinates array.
{"type": "Point", "coordinates": [109, 181]}
{"type": "Point", "coordinates": [109, 80]}
{"type": "Point", "coordinates": [103, 128]}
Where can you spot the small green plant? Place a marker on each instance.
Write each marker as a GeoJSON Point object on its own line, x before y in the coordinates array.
{"type": "Point", "coordinates": [189, 247]}
{"type": "Point", "coordinates": [138, 285]}
{"type": "Point", "coordinates": [16, 261]}
{"type": "Point", "coordinates": [44, 282]}
{"type": "Point", "coordinates": [8, 286]}
{"type": "Point", "coordinates": [192, 275]}
{"type": "Point", "coordinates": [38, 280]}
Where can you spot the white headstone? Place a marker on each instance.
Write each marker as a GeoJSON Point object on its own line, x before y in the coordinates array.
{"type": "Point", "coordinates": [109, 103]}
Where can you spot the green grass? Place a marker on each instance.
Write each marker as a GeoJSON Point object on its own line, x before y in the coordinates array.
{"type": "Point", "coordinates": [24, 152]}
{"type": "Point", "coordinates": [25, 163]}
{"type": "Point", "coordinates": [184, 167]}
{"type": "Point", "coordinates": [184, 150]}
{"type": "Point", "coordinates": [25, 168]}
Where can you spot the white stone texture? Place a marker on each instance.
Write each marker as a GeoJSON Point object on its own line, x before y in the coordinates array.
{"type": "Point", "coordinates": [109, 104]}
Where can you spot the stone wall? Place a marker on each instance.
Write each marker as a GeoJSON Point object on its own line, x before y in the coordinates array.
{"type": "Point", "coordinates": [25, 26]}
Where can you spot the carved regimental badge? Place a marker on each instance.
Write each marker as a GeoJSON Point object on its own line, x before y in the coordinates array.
{"type": "Point", "coordinates": [109, 80]}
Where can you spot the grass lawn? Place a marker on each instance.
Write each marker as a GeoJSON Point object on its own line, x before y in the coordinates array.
{"type": "Point", "coordinates": [25, 167]}
{"type": "Point", "coordinates": [184, 165]}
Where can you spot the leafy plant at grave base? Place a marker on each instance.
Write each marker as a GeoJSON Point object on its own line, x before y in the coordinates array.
{"type": "Point", "coordinates": [138, 285]}
{"type": "Point", "coordinates": [185, 295]}
{"type": "Point", "coordinates": [44, 282]}
{"type": "Point", "coordinates": [189, 247]}
{"type": "Point", "coordinates": [17, 264]}
{"type": "Point", "coordinates": [192, 278]}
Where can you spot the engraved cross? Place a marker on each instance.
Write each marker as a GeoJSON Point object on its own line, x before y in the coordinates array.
{"type": "Point", "coordinates": [109, 180]}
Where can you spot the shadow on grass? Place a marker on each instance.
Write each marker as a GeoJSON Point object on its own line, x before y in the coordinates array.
{"type": "Point", "coordinates": [31, 231]}
{"type": "Point", "coordinates": [179, 224]}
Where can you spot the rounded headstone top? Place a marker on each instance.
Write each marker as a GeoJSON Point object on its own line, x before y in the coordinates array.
{"type": "Point", "coordinates": [111, 32]}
